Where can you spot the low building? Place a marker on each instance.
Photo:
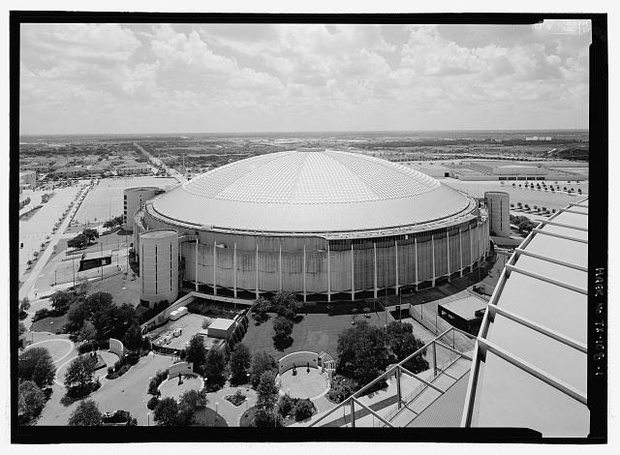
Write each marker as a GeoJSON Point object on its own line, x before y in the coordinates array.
{"type": "Point", "coordinates": [221, 328]}
{"type": "Point", "coordinates": [95, 259]}
{"type": "Point", "coordinates": [465, 314]}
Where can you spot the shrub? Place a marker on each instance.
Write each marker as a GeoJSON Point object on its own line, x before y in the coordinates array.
{"type": "Point", "coordinates": [341, 388]}
{"type": "Point", "coordinates": [286, 405]}
{"type": "Point", "coordinates": [41, 314]}
{"type": "Point", "coordinates": [159, 377]}
{"type": "Point", "coordinates": [133, 357]}
{"type": "Point", "coordinates": [152, 403]}
{"type": "Point", "coordinates": [303, 409]}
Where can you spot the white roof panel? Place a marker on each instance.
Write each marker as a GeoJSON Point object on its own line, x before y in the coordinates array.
{"type": "Point", "coordinates": [318, 191]}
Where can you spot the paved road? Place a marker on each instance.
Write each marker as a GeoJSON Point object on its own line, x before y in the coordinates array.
{"type": "Point", "coordinates": [27, 288]}
{"type": "Point", "coordinates": [157, 162]}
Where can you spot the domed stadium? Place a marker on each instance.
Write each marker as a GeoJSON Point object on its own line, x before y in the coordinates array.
{"type": "Point", "coordinates": [325, 225]}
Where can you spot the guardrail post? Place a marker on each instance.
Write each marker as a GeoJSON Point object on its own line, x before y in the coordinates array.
{"type": "Point", "coordinates": [434, 360]}
{"type": "Point", "coordinates": [398, 389]}
{"type": "Point", "coordinates": [352, 413]}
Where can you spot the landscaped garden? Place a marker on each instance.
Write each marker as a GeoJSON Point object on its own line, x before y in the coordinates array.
{"type": "Point", "coordinates": [315, 332]}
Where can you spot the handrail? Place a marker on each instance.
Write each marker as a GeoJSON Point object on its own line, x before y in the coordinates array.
{"type": "Point", "coordinates": [354, 397]}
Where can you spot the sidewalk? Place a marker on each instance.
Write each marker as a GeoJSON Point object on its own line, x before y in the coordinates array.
{"type": "Point", "coordinates": [226, 409]}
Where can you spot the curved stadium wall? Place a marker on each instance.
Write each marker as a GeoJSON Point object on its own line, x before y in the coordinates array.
{"type": "Point", "coordinates": [327, 266]}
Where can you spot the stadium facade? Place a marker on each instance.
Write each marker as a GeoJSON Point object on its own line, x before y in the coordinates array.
{"type": "Point", "coordinates": [325, 225]}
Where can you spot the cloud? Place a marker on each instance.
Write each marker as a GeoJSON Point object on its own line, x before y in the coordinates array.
{"type": "Point", "coordinates": [231, 76]}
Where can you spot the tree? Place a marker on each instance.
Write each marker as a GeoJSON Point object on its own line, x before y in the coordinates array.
{"type": "Point", "coordinates": [402, 343]}
{"type": "Point", "coordinates": [24, 306]}
{"type": "Point", "coordinates": [285, 304]}
{"type": "Point", "coordinates": [261, 362]}
{"type": "Point", "coordinates": [86, 414]}
{"type": "Point", "coordinates": [196, 352]}
{"type": "Point", "coordinates": [21, 328]}
{"type": "Point", "coordinates": [190, 402]}
{"type": "Point", "coordinates": [30, 401]}
{"type": "Point", "coordinates": [283, 328]}
{"type": "Point", "coordinates": [362, 352]}
{"type": "Point", "coordinates": [214, 369]}
{"type": "Point", "coordinates": [133, 337]}
{"type": "Point", "coordinates": [267, 390]}
{"type": "Point", "coordinates": [88, 332]}
{"type": "Point", "coordinates": [91, 234]}
{"type": "Point", "coordinates": [240, 362]}
{"type": "Point", "coordinates": [79, 379]}
{"type": "Point", "coordinates": [79, 241]}
{"type": "Point", "coordinates": [36, 365]}
{"type": "Point", "coordinates": [260, 309]}
{"type": "Point", "coordinates": [166, 412]}
{"type": "Point", "coordinates": [61, 301]}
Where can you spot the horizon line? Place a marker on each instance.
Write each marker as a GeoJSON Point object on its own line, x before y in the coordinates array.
{"type": "Point", "coordinates": [306, 132]}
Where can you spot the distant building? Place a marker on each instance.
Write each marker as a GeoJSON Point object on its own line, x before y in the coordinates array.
{"type": "Point", "coordinates": [28, 178]}
{"type": "Point", "coordinates": [498, 204]}
{"type": "Point", "coordinates": [70, 172]}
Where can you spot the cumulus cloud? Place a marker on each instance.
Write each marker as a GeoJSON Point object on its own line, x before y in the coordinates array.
{"type": "Point", "coordinates": [235, 77]}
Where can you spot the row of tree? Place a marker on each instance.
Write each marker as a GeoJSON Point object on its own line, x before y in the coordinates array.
{"type": "Point", "coordinates": [83, 239]}
{"type": "Point", "coordinates": [114, 222]}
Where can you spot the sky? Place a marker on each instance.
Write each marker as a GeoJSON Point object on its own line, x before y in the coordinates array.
{"type": "Point", "coordinates": [210, 78]}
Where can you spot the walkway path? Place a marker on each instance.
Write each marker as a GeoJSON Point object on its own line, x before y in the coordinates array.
{"type": "Point", "coordinates": [226, 409]}
{"type": "Point", "coordinates": [27, 287]}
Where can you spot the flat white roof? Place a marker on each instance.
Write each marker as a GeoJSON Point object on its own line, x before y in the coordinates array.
{"type": "Point", "coordinates": [221, 324]}
{"type": "Point", "coordinates": [465, 307]}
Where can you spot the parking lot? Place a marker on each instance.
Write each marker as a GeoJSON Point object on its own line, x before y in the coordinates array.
{"type": "Point", "coordinates": [105, 200]}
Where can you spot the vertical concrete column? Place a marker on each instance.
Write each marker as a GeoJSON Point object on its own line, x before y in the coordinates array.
{"type": "Point", "coordinates": [415, 250]}
{"type": "Point", "coordinates": [433, 257]}
{"type": "Point", "coordinates": [374, 244]}
{"type": "Point", "coordinates": [352, 273]}
{"type": "Point", "coordinates": [329, 275]}
{"type": "Point", "coordinates": [396, 259]}
{"type": "Point", "coordinates": [214, 267]}
{"type": "Point", "coordinates": [471, 251]}
{"type": "Point", "coordinates": [304, 274]}
{"type": "Point", "coordinates": [448, 249]}
{"type": "Point", "coordinates": [256, 271]}
{"type": "Point", "coordinates": [235, 271]}
{"type": "Point", "coordinates": [280, 266]}
{"type": "Point", "coordinates": [461, 249]}
{"type": "Point", "coordinates": [196, 271]}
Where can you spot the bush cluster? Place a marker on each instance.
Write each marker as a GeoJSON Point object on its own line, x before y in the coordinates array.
{"type": "Point", "coordinates": [299, 408]}
{"type": "Point", "coordinates": [159, 377]}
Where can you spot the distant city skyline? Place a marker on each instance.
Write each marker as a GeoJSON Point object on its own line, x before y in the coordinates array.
{"type": "Point", "coordinates": [261, 78]}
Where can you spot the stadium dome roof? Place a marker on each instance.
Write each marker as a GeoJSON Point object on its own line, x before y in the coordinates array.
{"type": "Point", "coordinates": [311, 191]}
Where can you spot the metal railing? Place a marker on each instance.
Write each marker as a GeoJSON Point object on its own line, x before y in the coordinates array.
{"type": "Point", "coordinates": [398, 370]}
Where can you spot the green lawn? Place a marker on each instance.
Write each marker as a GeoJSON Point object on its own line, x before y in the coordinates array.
{"type": "Point", "coordinates": [315, 332]}
{"type": "Point", "coordinates": [123, 290]}
{"type": "Point", "coordinates": [52, 325]}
